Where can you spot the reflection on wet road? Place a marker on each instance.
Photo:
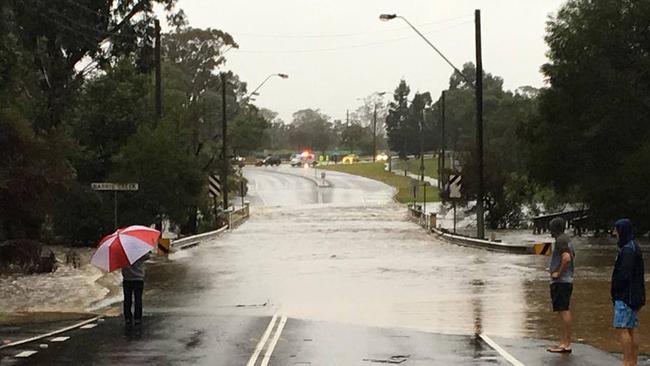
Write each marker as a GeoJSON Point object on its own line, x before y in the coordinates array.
{"type": "Point", "coordinates": [357, 283]}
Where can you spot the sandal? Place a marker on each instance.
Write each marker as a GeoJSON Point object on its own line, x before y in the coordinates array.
{"type": "Point", "coordinates": [558, 349]}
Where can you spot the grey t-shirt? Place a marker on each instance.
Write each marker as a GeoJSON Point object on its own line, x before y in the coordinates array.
{"type": "Point", "coordinates": [135, 272]}
{"type": "Point", "coordinates": [562, 245]}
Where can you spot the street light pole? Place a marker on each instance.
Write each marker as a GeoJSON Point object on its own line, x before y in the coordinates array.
{"type": "Point", "coordinates": [442, 140]}
{"type": "Point", "coordinates": [422, 145]}
{"type": "Point", "coordinates": [284, 76]}
{"type": "Point", "coordinates": [224, 143]}
{"type": "Point", "coordinates": [480, 226]}
{"type": "Point", "coordinates": [479, 106]}
{"type": "Point", "coordinates": [374, 134]}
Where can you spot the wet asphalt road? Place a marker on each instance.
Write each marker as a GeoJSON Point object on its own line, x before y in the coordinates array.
{"type": "Point", "coordinates": [321, 276]}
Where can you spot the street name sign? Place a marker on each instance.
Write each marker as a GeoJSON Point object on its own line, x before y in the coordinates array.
{"type": "Point", "coordinates": [114, 186]}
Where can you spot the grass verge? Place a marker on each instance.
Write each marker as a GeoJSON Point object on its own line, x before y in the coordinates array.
{"type": "Point", "coordinates": [376, 171]}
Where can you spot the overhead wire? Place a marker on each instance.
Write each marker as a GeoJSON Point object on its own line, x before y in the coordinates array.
{"type": "Point", "coordinates": [355, 34]}
{"type": "Point", "coordinates": [349, 47]}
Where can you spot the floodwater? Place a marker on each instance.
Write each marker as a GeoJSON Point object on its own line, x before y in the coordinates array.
{"type": "Point", "coordinates": [67, 290]}
{"type": "Point", "coordinates": [346, 256]}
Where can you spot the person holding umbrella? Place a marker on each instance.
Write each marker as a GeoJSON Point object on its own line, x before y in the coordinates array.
{"type": "Point", "coordinates": [628, 290]}
{"type": "Point", "coordinates": [133, 286]}
{"type": "Point", "coordinates": [128, 249]}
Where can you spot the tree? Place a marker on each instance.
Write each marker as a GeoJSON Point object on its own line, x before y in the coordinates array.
{"type": "Point", "coordinates": [591, 136]}
{"type": "Point", "coordinates": [396, 120]}
{"type": "Point", "coordinates": [507, 187]}
{"type": "Point", "coordinates": [311, 129]}
{"type": "Point", "coordinates": [58, 34]}
{"type": "Point", "coordinates": [170, 177]}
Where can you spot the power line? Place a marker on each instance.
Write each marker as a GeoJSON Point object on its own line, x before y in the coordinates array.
{"type": "Point", "coordinates": [349, 47]}
{"type": "Point", "coordinates": [338, 35]}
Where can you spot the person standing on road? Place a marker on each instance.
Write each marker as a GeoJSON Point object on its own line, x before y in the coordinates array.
{"type": "Point", "coordinates": [628, 290]}
{"type": "Point", "coordinates": [133, 285]}
{"type": "Point", "coordinates": [561, 271]}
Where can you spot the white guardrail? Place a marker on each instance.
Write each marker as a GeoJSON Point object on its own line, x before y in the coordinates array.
{"type": "Point", "coordinates": [235, 218]}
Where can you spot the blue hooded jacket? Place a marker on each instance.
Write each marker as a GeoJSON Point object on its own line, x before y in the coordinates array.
{"type": "Point", "coordinates": [628, 279]}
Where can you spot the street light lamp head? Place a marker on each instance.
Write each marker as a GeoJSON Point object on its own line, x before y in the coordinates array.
{"type": "Point", "coordinates": [284, 76]}
{"type": "Point", "coordinates": [387, 17]}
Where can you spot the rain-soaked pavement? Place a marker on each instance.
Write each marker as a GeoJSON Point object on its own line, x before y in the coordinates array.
{"type": "Point", "coordinates": [336, 276]}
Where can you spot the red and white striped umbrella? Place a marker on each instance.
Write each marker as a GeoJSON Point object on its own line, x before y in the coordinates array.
{"type": "Point", "coordinates": [124, 247]}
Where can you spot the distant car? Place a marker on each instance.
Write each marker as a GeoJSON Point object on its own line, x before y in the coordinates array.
{"type": "Point", "coordinates": [382, 157]}
{"type": "Point", "coordinates": [350, 158]}
{"type": "Point", "coordinates": [304, 159]}
{"type": "Point", "coordinates": [240, 161]}
{"type": "Point", "coordinates": [271, 161]}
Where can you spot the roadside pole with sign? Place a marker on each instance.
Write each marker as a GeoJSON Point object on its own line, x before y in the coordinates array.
{"type": "Point", "coordinates": [414, 190]}
{"type": "Point", "coordinates": [454, 192]}
{"type": "Point", "coordinates": [214, 190]}
{"type": "Point", "coordinates": [115, 187]}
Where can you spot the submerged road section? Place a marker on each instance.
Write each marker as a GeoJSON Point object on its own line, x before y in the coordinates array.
{"type": "Point", "coordinates": [325, 276]}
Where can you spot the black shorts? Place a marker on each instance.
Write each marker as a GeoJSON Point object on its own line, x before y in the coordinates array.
{"type": "Point", "coordinates": [561, 295]}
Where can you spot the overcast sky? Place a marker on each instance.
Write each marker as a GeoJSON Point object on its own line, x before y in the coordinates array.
{"type": "Point", "coordinates": [336, 51]}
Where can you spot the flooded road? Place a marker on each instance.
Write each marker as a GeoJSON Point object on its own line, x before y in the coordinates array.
{"type": "Point", "coordinates": [350, 256]}
{"type": "Point", "coordinates": [347, 278]}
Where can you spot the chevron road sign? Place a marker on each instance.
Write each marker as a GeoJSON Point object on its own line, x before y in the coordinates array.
{"type": "Point", "coordinates": [214, 185]}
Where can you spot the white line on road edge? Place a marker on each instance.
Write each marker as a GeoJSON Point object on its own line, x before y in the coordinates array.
{"type": "Point", "coordinates": [25, 354]}
{"type": "Point", "coordinates": [56, 332]}
{"type": "Point", "coordinates": [269, 351]}
{"type": "Point", "coordinates": [262, 342]}
{"type": "Point", "coordinates": [501, 351]}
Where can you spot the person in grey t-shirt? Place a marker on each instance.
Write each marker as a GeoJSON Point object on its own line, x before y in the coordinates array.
{"type": "Point", "coordinates": [133, 285]}
{"type": "Point", "coordinates": [561, 271]}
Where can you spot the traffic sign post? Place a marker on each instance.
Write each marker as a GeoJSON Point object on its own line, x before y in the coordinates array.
{"type": "Point", "coordinates": [214, 190]}
{"type": "Point", "coordinates": [454, 192]}
{"type": "Point", "coordinates": [115, 187]}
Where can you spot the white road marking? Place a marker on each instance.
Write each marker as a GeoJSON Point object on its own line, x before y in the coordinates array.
{"type": "Point", "coordinates": [269, 351]}
{"type": "Point", "coordinates": [25, 354]}
{"type": "Point", "coordinates": [89, 326]}
{"type": "Point", "coordinates": [501, 351]}
{"type": "Point", "coordinates": [262, 342]}
{"type": "Point", "coordinates": [59, 339]}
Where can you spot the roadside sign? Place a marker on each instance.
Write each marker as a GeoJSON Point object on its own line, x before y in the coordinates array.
{"type": "Point", "coordinates": [454, 186]}
{"type": "Point", "coordinates": [114, 186]}
{"type": "Point", "coordinates": [414, 187]}
{"type": "Point", "coordinates": [214, 185]}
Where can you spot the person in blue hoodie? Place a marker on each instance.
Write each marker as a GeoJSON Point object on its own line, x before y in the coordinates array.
{"type": "Point", "coordinates": [628, 290]}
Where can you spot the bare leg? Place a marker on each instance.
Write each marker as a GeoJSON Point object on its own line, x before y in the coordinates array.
{"type": "Point", "coordinates": [628, 348]}
{"type": "Point", "coordinates": [565, 335]}
{"type": "Point", "coordinates": [635, 348]}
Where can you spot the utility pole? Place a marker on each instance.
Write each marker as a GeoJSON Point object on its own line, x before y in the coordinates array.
{"type": "Point", "coordinates": [480, 226]}
{"type": "Point", "coordinates": [424, 110]}
{"type": "Point", "coordinates": [374, 134]}
{"type": "Point", "coordinates": [158, 70]}
{"type": "Point", "coordinates": [442, 140]}
{"type": "Point", "coordinates": [224, 143]}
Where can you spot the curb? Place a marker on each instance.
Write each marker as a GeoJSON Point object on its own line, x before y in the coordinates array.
{"type": "Point", "coordinates": [50, 334]}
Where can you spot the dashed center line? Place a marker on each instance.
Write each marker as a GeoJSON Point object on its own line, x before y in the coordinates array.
{"type": "Point", "coordinates": [89, 326]}
{"type": "Point", "coordinates": [59, 339]}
